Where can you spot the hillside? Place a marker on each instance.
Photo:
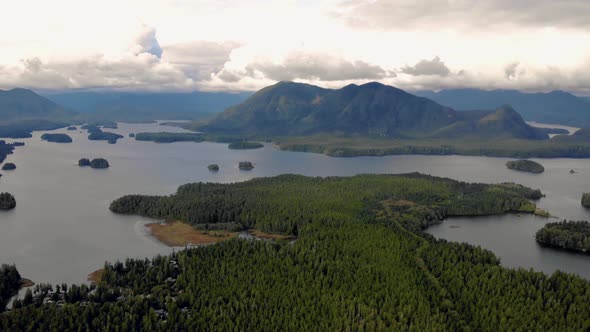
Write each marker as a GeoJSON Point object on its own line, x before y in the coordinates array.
{"type": "Point", "coordinates": [372, 109]}
{"type": "Point", "coordinates": [503, 122]}
{"type": "Point", "coordinates": [22, 104]}
{"type": "Point", "coordinates": [555, 107]}
{"type": "Point", "coordinates": [136, 106]}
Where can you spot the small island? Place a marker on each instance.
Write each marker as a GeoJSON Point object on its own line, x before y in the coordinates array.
{"type": "Point", "coordinates": [84, 162]}
{"type": "Point", "coordinates": [569, 235]}
{"type": "Point", "coordinates": [525, 165]}
{"type": "Point", "coordinates": [56, 138]}
{"type": "Point", "coordinates": [213, 167]}
{"type": "Point", "coordinates": [245, 165]}
{"type": "Point", "coordinates": [132, 135]}
{"type": "Point", "coordinates": [72, 128]}
{"type": "Point", "coordinates": [7, 201]}
{"type": "Point", "coordinates": [245, 145]}
{"type": "Point", "coordinates": [586, 199]}
{"type": "Point", "coordinates": [8, 167]}
{"type": "Point", "coordinates": [99, 163]}
{"type": "Point", "coordinates": [99, 135]}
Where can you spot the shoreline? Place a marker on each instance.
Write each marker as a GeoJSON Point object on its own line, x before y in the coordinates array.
{"type": "Point", "coordinates": [179, 234]}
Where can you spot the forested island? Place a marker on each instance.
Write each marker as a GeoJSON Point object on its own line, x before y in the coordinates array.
{"type": "Point", "coordinates": [586, 199]}
{"type": "Point", "coordinates": [8, 167]}
{"type": "Point", "coordinates": [570, 235]}
{"type": "Point", "coordinates": [245, 145]}
{"type": "Point", "coordinates": [96, 134]}
{"type": "Point", "coordinates": [167, 137]}
{"type": "Point", "coordinates": [213, 167]}
{"type": "Point", "coordinates": [9, 284]}
{"type": "Point", "coordinates": [525, 165]}
{"type": "Point", "coordinates": [7, 201]}
{"type": "Point", "coordinates": [99, 163]}
{"type": "Point", "coordinates": [72, 128]}
{"type": "Point", "coordinates": [245, 165]}
{"type": "Point", "coordinates": [84, 162]}
{"type": "Point", "coordinates": [361, 262]}
{"type": "Point", "coordinates": [56, 138]}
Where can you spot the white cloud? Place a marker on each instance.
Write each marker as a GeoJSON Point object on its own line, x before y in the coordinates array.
{"type": "Point", "coordinates": [245, 45]}
{"type": "Point", "coordinates": [427, 67]}
{"type": "Point", "coordinates": [146, 42]}
{"type": "Point", "coordinates": [315, 66]}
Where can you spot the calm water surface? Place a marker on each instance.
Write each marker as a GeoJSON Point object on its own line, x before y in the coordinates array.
{"type": "Point", "coordinates": [62, 229]}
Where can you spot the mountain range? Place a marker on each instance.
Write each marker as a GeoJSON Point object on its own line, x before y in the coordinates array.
{"type": "Point", "coordinates": [135, 106]}
{"type": "Point", "coordinates": [555, 107]}
{"type": "Point", "coordinates": [372, 109]}
{"type": "Point", "coordinates": [22, 104]}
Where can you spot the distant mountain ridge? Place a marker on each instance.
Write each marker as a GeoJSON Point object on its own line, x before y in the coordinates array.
{"type": "Point", "coordinates": [142, 106]}
{"type": "Point", "coordinates": [555, 107]}
{"type": "Point", "coordinates": [372, 109]}
{"type": "Point", "coordinates": [23, 104]}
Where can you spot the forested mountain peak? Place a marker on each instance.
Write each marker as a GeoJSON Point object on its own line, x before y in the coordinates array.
{"type": "Point", "coordinates": [371, 109]}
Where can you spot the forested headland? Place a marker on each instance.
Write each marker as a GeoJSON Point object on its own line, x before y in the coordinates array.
{"type": "Point", "coordinates": [361, 262]}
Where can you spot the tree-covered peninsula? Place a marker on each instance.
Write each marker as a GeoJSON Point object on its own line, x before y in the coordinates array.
{"type": "Point", "coordinates": [7, 201]}
{"type": "Point", "coordinates": [360, 262]}
{"type": "Point", "coordinates": [56, 138]}
{"type": "Point", "coordinates": [525, 165]}
{"type": "Point", "coordinates": [570, 235]}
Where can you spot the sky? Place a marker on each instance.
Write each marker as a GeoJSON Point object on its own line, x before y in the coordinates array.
{"type": "Point", "coordinates": [244, 45]}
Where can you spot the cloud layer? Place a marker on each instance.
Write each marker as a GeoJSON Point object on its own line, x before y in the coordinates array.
{"type": "Point", "coordinates": [391, 14]}
{"type": "Point", "coordinates": [232, 45]}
